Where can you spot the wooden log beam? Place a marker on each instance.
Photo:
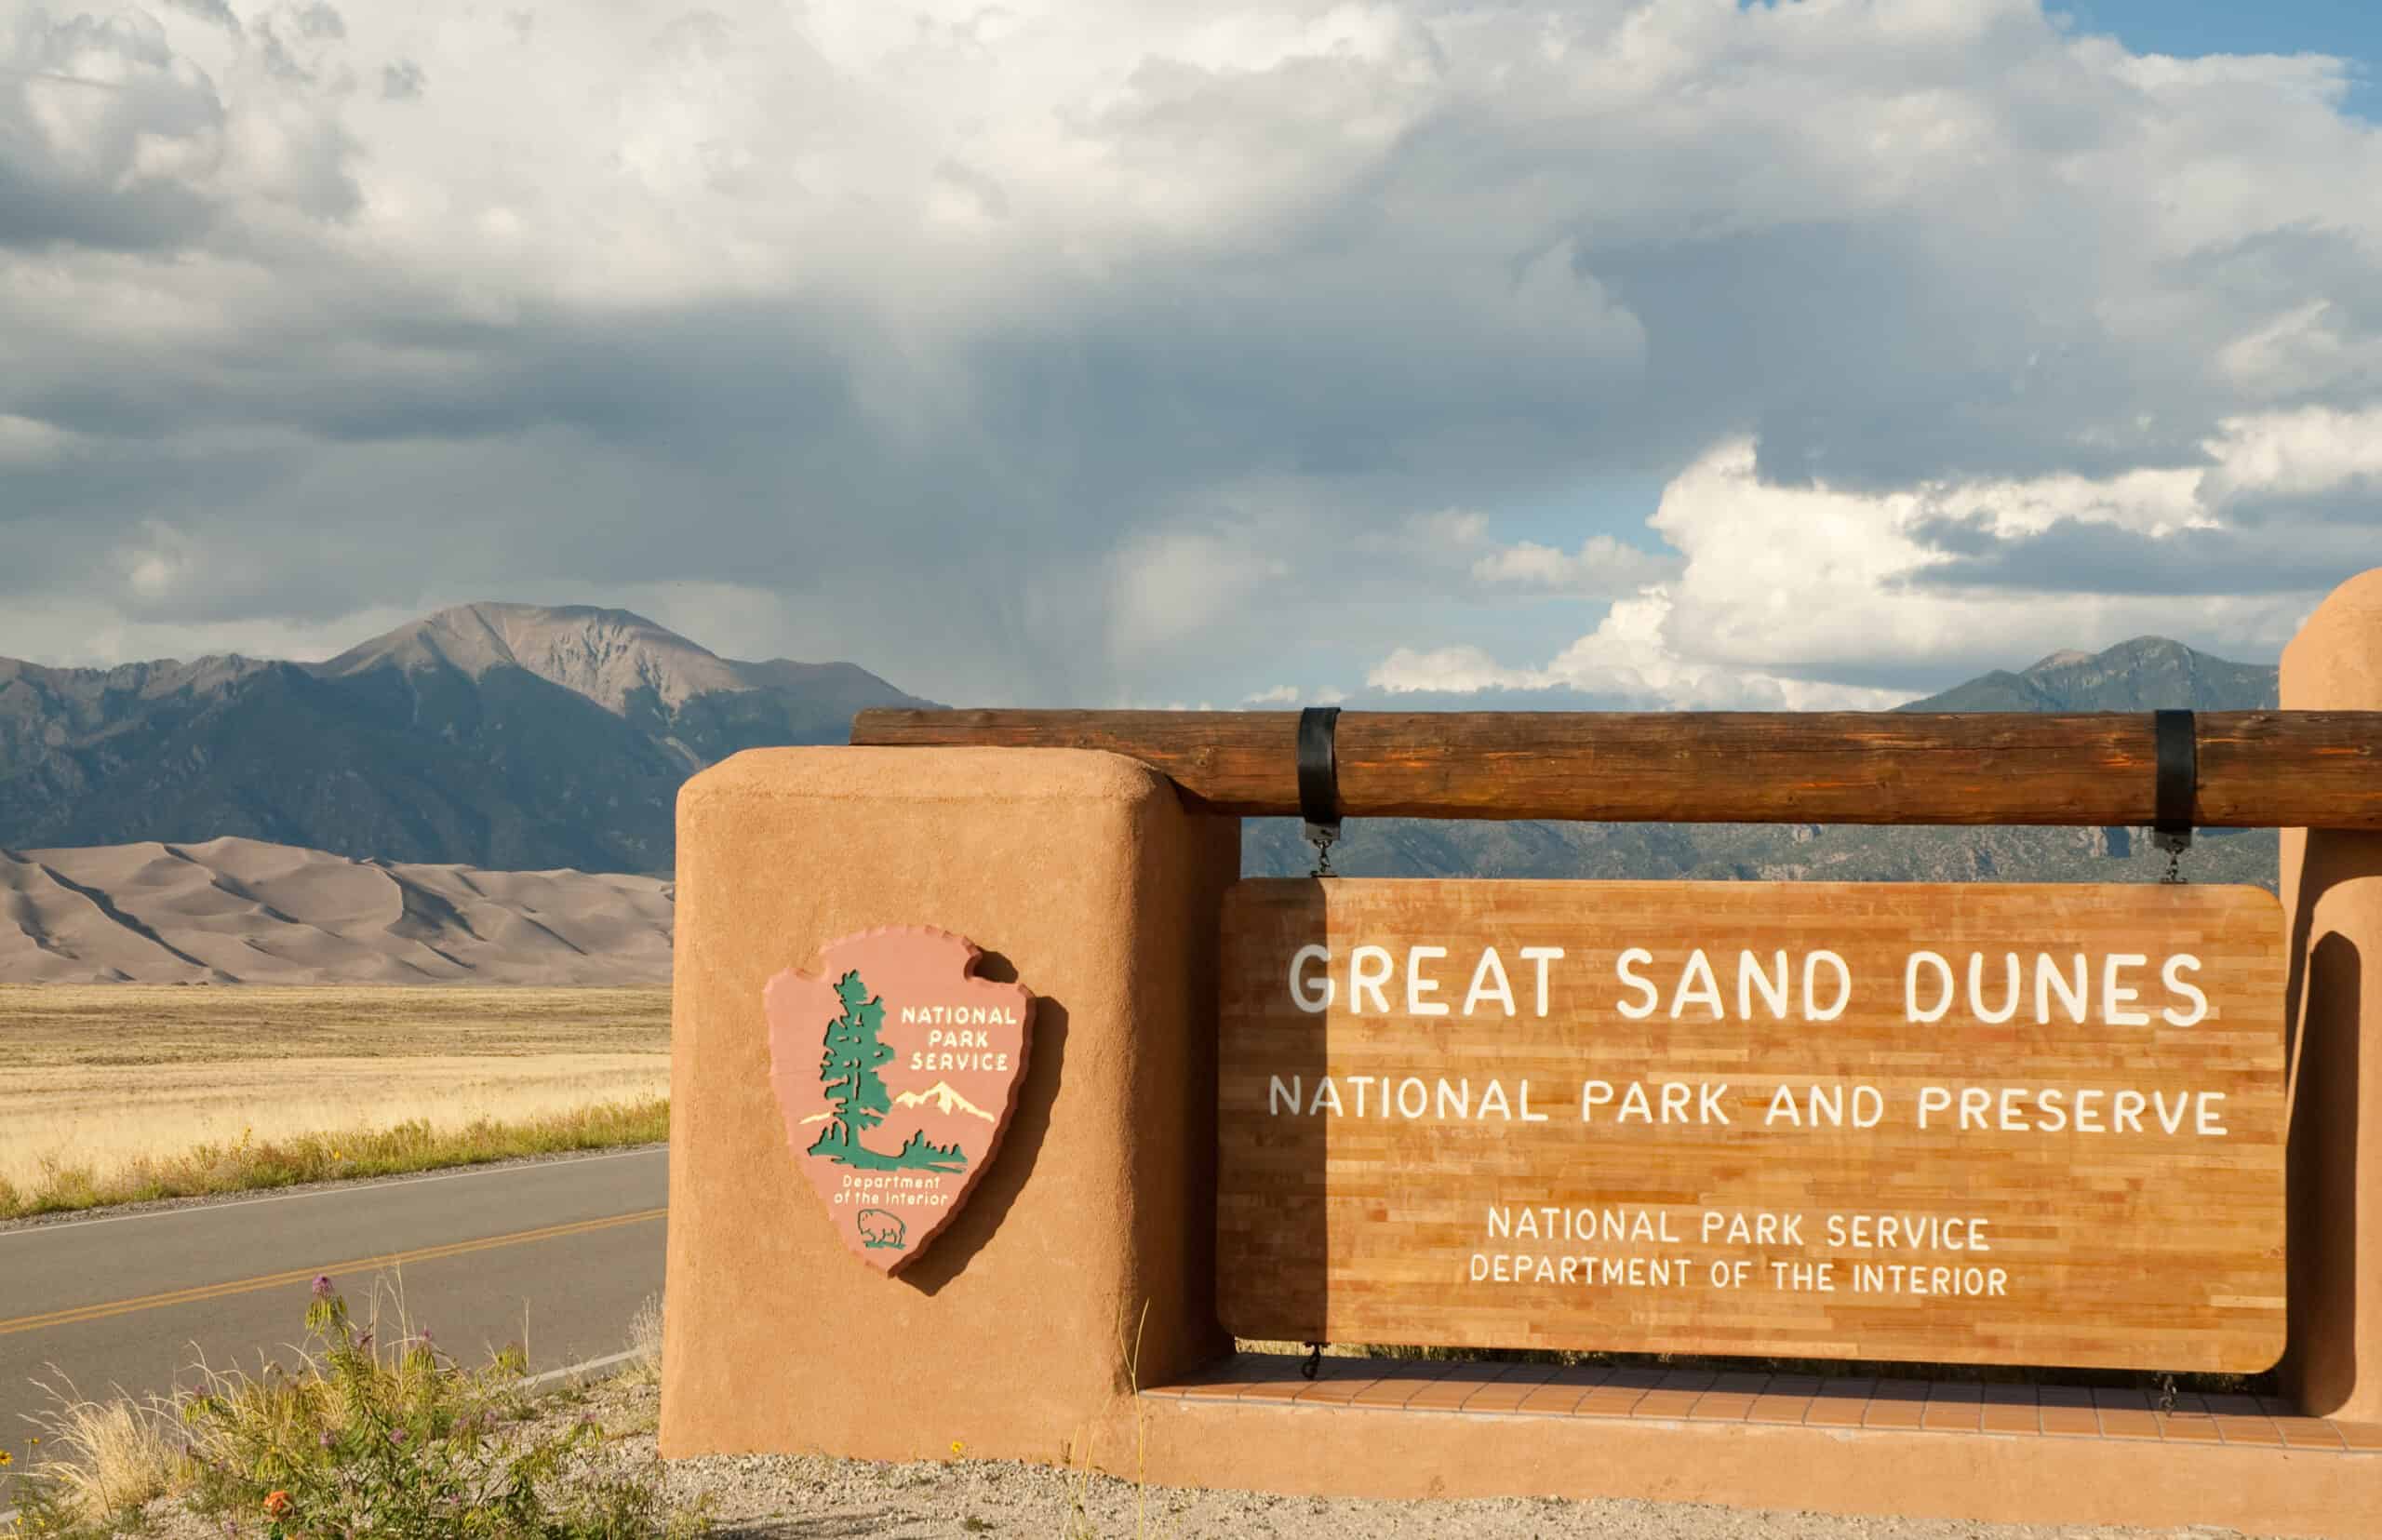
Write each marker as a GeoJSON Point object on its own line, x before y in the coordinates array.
{"type": "Point", "coordinates": [2257, 769]}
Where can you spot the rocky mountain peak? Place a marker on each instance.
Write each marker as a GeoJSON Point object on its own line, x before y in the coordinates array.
{"type": "Point", "coordinates": [2142, 674]}
{"type": "Point", "coordinates": [502, 736]}
{"type": "Point", "coordinates": [606, 655]}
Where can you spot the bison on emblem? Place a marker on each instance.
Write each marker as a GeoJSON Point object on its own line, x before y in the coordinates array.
{"type": "Point", "coordinates": [879, 1230]}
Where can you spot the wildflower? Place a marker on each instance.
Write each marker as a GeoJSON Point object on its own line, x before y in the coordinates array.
{"type": "Point", "coordinates": [276, 1503]}
{"type": "Point", "coordinates": [321, 1285]}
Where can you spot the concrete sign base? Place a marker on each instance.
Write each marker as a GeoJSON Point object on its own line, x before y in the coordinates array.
{"type": "Point", "coordinates": [1999, 1453]}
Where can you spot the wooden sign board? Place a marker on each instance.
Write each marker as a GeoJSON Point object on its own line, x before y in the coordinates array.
{"type": "Point", "coordinates": [1990, 1123]}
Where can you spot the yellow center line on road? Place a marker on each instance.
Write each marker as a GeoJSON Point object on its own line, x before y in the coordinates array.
{"type": "Point", "coordinates": [301, 1275]}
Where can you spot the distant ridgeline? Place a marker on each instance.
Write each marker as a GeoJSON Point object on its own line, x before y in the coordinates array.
{"type": "Point", "coordinates": [518, 738]}
{"type": "Point", "coordinates": [2143, 675]}
{"type": "Point", "coordinates": [504, 736]}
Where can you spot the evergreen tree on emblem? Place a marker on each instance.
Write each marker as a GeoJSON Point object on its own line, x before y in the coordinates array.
{"type": "Point", "coordinates": [847, 1072]}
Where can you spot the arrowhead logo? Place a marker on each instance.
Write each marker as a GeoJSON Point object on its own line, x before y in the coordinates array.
{"type": "Point", "coordinates": [896, 1069]}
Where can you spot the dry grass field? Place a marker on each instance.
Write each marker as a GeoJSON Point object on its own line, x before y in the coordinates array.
{"type": "Point", "coordinates": [118, 1091]}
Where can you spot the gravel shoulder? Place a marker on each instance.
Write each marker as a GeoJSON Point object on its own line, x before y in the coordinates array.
{"type": "Point", "coordinates": [812, 1497]}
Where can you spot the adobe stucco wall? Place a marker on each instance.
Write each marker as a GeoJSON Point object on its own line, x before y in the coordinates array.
{"type": "Point", "coordinates": [2332, 892]}
{"type": "Point", "coordinates": [1082, 875]}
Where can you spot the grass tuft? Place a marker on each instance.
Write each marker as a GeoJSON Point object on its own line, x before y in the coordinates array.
{"type": "Point", "coordinates": [106, 1457]}
{"type": "Point", "coordinates": [248, 1163]}
{"type": "Point", "coordinates": [376, 1433]}
{"type": "Point", "coordinates": [645, 1341]}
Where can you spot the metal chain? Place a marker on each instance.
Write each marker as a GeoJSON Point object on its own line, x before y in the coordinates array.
{"type": "Point", "coordinates": [1320, 836]}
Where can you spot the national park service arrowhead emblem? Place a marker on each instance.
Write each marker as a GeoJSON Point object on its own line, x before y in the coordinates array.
{"type": "Point", "coordinates": [896, 1068]}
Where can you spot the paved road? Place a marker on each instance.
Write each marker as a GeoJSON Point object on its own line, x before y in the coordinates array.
{"type": "Point", "coordinates": [133, 1300]}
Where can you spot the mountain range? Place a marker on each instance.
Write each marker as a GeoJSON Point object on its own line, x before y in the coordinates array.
{"type": "Point", "coordinates": [150, 809]}
{"type": "Point", "coordinates": [501, 736]}
{"type": "Point", "coordinates": [2145, 673]}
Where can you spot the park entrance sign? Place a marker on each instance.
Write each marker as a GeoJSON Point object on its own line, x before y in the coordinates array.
{"type": "Point", "coordinates": [1823, 1125]}
{"type": "Point", "coordinates": [1959, 1122]}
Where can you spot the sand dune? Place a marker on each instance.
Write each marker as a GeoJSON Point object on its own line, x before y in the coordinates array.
{"type": "Point", "coordinates": [241, 911]}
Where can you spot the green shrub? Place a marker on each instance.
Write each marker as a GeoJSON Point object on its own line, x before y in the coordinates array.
{"type": "Point", "coordinates": [385, 1441]}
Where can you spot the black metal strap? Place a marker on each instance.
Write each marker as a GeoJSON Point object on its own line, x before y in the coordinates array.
{"type": "Point", "coordinates": [2178, 770]}
{"type": "Point", "coordinates": [1320, 771]}
{"type": "Point", "coordinates": [2178, 783]}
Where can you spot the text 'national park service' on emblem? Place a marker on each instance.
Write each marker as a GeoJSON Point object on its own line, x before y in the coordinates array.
{"type": "Point", "coordinates": [896, 1068]}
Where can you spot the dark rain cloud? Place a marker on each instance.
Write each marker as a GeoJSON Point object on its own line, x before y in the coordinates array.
{"type": "Point", "coordinates": [113, 80]}
{"type": "Point", "coordinates": [2074, 555]}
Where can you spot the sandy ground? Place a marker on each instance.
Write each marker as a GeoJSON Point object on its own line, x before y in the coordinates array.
{"type": "Point", "coordinates": [244, 911]}
{"type": "Point", "coordinates": [102, 1074]}
{"type": "Point", "coordinates": [796, 1497]}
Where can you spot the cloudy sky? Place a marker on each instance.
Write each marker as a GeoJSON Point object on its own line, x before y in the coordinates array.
{"type": "Point", "coordinates": [1658, 352]}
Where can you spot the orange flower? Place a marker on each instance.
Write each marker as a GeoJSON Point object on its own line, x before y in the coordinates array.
{"type": "Point", "coordinates": [276, 1503]}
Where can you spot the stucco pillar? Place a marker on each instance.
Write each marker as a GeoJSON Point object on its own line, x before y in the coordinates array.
{"type": "Point", "coordinates": [2332, 892]}
{"type": "Point", "coordinates": [1083, 878]}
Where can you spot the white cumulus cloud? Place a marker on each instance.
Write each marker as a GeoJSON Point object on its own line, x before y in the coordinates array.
{"type": "Point", "coordinates": [1601, 567]}
{"type": "Point", "coordinates": [1081, 351]}
{"type": "Point", "coordinates": [1789, 596]}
